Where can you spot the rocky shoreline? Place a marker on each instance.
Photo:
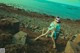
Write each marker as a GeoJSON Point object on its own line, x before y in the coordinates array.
{"type": "Point", "coordinates": [15, 12]}
{"type": "Point", "coordinates": [33, 23]}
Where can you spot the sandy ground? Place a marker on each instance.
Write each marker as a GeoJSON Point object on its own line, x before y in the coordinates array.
{"type": "Point", "coordinates": [34, 23]}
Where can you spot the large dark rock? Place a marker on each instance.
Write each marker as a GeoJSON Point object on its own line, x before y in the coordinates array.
{"type": "Point", "coordinates": [5, 39]}
{"type": "Point", "coordinates": [16, 48]}
{"type": "Point", "coordinates": [9, 24]}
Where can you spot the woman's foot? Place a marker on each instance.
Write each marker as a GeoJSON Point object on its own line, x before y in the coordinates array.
{"type": "Point", "coordinates": [54, 46]}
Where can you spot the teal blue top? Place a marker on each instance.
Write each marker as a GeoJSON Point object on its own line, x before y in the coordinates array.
{"type": "Point", "coordinates": [56, 27]}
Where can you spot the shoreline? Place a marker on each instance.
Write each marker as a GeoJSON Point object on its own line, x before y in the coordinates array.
{"type": "Point", "coordinates": [16, 12]}
{"type": "Point", "coordinates": [20, 11]}
{"type": "Point", "coordinates": [27, 13]}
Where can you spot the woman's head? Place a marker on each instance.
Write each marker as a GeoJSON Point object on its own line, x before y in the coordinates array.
{"type": "Point", "coordinates": [57, 19]}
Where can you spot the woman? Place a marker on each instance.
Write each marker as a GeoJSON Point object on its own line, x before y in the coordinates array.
{"type": "Point", "coordinates": [53, 31]}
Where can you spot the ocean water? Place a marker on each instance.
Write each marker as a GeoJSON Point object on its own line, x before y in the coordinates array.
{"type": "Point", "coordinates": [46, 7]}
{"type": "Point", "coordinates": [69, 2]}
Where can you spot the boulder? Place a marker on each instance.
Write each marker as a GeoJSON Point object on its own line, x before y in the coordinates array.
{"type": "Point", "coordinates": [20, 38]}
{"type": "Point", "coordinates": [73, 45]}
{"type": "Point", "coordinates": [9, 24]}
